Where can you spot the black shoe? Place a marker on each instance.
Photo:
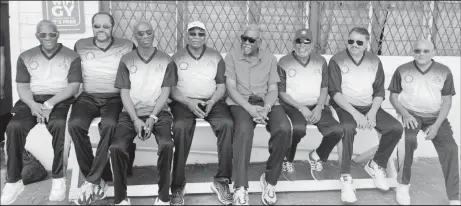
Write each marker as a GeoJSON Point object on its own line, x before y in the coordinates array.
{"type": "Point", "coordinates": [221, 189]}
{"type": "Point", "coordinates": [177, 198]}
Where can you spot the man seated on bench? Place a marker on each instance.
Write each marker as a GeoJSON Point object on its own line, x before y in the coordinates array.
{"type": "Point", "coordinates": [303, 91]}
{"type": "Point", "coordinates": [356, 86]}
{"type": "Point", "coordinates": [100, 58]}
{"type": "Point", "coordinates": [199, 93]}
{"type": "Point", "coordinates": [48, 76]}
{"type": "Point", "coordinates": [144, 76]}
{"type": "Point", "coordinates": [253, 98]}
{"type": "Point", "coordinates": [421, 91]}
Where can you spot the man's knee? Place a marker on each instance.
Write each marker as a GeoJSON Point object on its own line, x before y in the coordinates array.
{"type": "Point", "coordinates": [397, 130]}
{"type": "Point", "coordinates": [118, 148]}
{"type": "Point", "coordinates": [14, 125]}
{"type": "Point", "coordinates": [182, 124]}
{"type": "Point", "coordinates": [166, 146]}
{"type": "Point", "coordinates": [336, 131]}
{"type": "Point", "coordinates": [108, 123]}
{"type": "Point", "coordinates": [283, 128]}
{"type": "Point", "coordinates": [299, 130]}
{"type": "Point", "coordinates": [226, 123]}
{"type": "Point", "coordinates": [349, 127]}
{"type": "Point", "coordinates": [76, 123]}
{"type": "Point", "coordinates": [56, 124]}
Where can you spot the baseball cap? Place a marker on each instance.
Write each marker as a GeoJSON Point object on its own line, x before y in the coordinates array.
{"type": "Point", "coordinates": [196, 24]}
{"type": "Point", "coordinates": [303, 33]}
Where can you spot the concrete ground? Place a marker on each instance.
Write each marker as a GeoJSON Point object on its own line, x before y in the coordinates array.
{"type": "Point", "coordinates": [427, 186]}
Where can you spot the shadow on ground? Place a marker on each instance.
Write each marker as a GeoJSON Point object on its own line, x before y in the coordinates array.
{"type": "Point", "coordinates": [427, 186]}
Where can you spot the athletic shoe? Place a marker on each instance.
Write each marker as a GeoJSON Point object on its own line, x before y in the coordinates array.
{"type": "Point", "coordinates": [11, 191]}
{"type": "Point", "coordinates": [347, 190]}
{"type": "Point", "coordinates": [241, 196]}
{"type": "Point", "coordinates": [178, 197]}
{"type": "Point", "coordinates": [221, 189]}
{"type": "Point", "coordinates": [58, 190]}
{"type": "Point", "coordinates": [158, 201]}
{"type": "Point", "coordinates": [378, 174]}
{"type": "Point", "coordinates": [125, 202]}
{"type": "Point", "coordinates": [86, 194]}
{"type": "Point", "coordinates": [402, 194]}
{"type": "Point", "coordinates": [288, 171]}
{"type": "Point", "coordinates": [316, 167]}
{"type": "Point", "coordinates": [268, 195]}
{"type": "Point", "coordinates": [100, 191]}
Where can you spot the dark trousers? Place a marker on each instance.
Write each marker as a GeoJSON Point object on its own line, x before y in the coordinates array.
{"type": "Point", "coordinates": [390, 129]}
{"type": "Point", "coordinates": [446, 147]}
{"type": "Point", "coordinates": [84, 110]}
{"type": "Point", "coordinates": [279, 128]}
{"type": "Point", "coordinates": [119, 153]}
{"type": "Point", "coordinates": [4, 120]}
{"type": "Point", "coordinates": [184, 122]}
{"type": "Point", "coordinates": [21, 124]}
{"type": "Point", "coordinates": [331, 130]}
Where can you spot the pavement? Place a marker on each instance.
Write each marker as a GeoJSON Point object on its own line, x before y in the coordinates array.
{"type": "Point", "coordinates": [427, 186]}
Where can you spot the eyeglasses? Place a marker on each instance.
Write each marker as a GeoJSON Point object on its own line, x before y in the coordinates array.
{"type": "Point", "coordinates": [418, 51]}
{"type": "Point", "coordinates": [201, 34]}
{"type": "Point", "coordinates": [351, 42]}
{"type": "Point", "coordinates": [51, 35]}
{"type": "Point", "coordinates": [148, 32]}
{"type": "Point", "coordinates": [105, 26]}
{"type": "Point", "coordinates": [247, 38]}
{"type": "Point", "coordinates": [304, 41]}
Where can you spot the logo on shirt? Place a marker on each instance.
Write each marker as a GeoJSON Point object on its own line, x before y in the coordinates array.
{"type": "Point", "coordinates": [437, 80]}
{"type": "Point", "coordinates": [89, 55]}
{"type": "Point", "coordinates": [318, 72]}
{"type": "Point", "coordinates": [211, 64]}
{"type": "Point", "coordinates": [344, 69]}
{"type": "Point", "coordinates": [408, 79]}
{"type": "Point", "coordinates": [119, 53]}
{"type": "Point", "coordinates": [183, 65]}
{"type": "Point", "coordinates": [292, 73]}
{"type": "Point", "coordinates": [133, 69]}
{"type": "Point", "coordinates": [160, 68]}
{"type": "Point", "coordinates": [34, 65]}
{"type": "Point", "coordinates": [64, 64]}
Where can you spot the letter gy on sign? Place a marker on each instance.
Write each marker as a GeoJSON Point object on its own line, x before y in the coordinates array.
{"type": "Point", "coordinates": [67, 15]}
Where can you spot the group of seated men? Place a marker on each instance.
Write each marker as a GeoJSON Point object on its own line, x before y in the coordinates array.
{"type": "Point", "coordinates": [138, 90]}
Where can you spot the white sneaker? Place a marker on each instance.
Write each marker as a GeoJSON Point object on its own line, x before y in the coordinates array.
{"type": "Point", "coordinates": [402, 194]}
{"type": "Point", "coordinates": [86, 194]}
{"type": "Point", "coordinates": [11, 192]}
{"type": "Point", "coordinates": [158, 201]}
{"type": "Point", "coordinates": [378, 174]}
{"type": "Point", "coordinates": [58, 190]}
{"type": "Point", "coordinates": [268, 195]}
{"type": "Point", "coordinates": [125, 202]}
{"type": "Point", "coordinates": [348, 190]}
{"type": "Point", "coordinates": [100, 191]}
{"type": "Point", "coordinates": [241, 196]}
{"type": "Point", "coordinates": [455, 202]}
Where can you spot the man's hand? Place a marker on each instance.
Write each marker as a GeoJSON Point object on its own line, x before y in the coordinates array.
{"type": "Point", "coordinates": [36, 110]}
{"type": "Point", "coordinates": [150, 125]}
{"type": "Point", "coordinates": [194, 107]}
{"type": "Point", "coordinates": [209, 105]}
{"type": "Point", "coordinates": [409, 121]}
{"type": "Point", "coordinates": [253, 110]}
{"type": "Point", "coordinates": [46, 112]}
{"type": "Point", "coordinates": [316, 115]}
{"type": "Point", "coordinates": [431, 131]}
{"type": "Point", "coordinates": [361, 120]}
{"type": "Point", "coordinates": [138, 126]}
{"type": "Point", "coordinates": [371, 117]}
{"type": "Point", "coordinates": [306, 113]}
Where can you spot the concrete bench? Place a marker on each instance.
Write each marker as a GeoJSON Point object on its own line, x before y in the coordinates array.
{"type": "Point", "coordinates": [254, 187]}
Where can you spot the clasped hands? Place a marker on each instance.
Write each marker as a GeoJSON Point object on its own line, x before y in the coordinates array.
{"type": "Point", "coordinates": [41, 111]}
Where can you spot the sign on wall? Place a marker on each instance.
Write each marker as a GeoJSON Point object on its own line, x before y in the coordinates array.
{"type": "Point", "coordinates": [67, 15]}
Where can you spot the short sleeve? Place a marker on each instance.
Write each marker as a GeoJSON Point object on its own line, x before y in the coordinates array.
{"type": "Point", "coordinates": [171, 75]}
{"type": "Point", "coordinates": [273, 75]}
{"type": "Point", "coordinates": [282, 85]}
{"type": "Point", "coordinates": [378, 84]}
{"type": "Point", "coordinates": [230, 67]}
{"type": "Point", "coordinates": [122, 80]}
{"type": "Point", "coordinates": [396, 82]}
{"type": "Point", "coordinates": [220, 79]}
{"type": "Point", "coordinates": [22, 74]}
{"type": "Point", "coordinates": [324, 83]}
{"type": "Point", "coordinates": [448, 86]}
{"type": "Point", "coordinates": [75, 71]}
{"type": "Point", "coordinates": [334, 78]}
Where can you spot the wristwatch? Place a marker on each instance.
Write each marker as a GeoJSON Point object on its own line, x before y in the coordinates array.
{"type": "Point", "coordinates": [153, 117]}
{"type": "Point", "coordinates": [48, 105]}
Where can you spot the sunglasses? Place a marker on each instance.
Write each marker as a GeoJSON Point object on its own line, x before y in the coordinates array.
{"type": "Point", "coordinates": [304, 41]}
{"type": "Point", "coordinates": [105, 26]}
{"type": "Point", "coordinates": [247, 38]}
{"type": "Point", "coordinates": [201, 34]}
{"type": "Point", "coordinates": [148, 32]}
{"type": "Point", "coordinates": [351, 42]}
{"type": "Point", "coordinates": [418, 51]}
{"type": "Point", "coordinates": [51, 35]}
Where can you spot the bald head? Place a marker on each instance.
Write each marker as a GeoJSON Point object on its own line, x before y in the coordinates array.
{"type": "Point", "coordinates": [46, 24]}
{"type": "Point", "coordinates": [425, 44]}
{"type": "Point", "coordinates": [142, 25]}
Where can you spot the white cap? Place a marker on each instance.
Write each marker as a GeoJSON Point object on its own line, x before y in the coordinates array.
{"type": "Point", "coordinates": [196, 24]}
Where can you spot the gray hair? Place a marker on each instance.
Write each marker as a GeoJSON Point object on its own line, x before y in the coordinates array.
{"type": "Point", "coordinates": [361, 31]}
{"type": "Point", "coordinates": [46, 22]}
{"type": "Point", "coordinates": [254, 27]}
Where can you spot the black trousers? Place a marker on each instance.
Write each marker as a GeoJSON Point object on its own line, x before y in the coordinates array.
{"type": "Point", "coordinates": [21, 124]}
{"type": "Point", "coordinates": [331, 130]}
{"type": "Point", "coordinates": [4, 120]}
{"type": "Point", "coordinates": [184, 122]}
{"type": "Point", "coordinates": [84, 110]}
{"type": "Point", "coordinates": [446, 148]}
{"type": "Point", "coordinates": [390, 129]}
{"type": "Point", "coordinates": [279, 128]}
{"type": "Point", "coordinates": [119, 153]}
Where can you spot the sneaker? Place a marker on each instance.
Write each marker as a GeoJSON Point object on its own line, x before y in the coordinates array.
{"type": "Point", "coordinates": [288, 171]}
{"type": "Point", "coordinates": [316, 167]}
{"type": "Point", "coordinates": [11, 192]}
{"type": "Point", "coordinates": [58, 190]}
{"type": "Point", "coordinates": [100, 191]}
{"type": "Point", "coordinates": [124, 202]}
{"type": "Point", "coordinates": [348, 190]}
{"type": "Point", "coordinates": [221, 189]}
{"type": "Point", "coordinates": [178, 197]}
{"type": "Point", "coordinates": [158, 201]}
{"type": "Point", "coordinates": [402, 194]}
{"type": "Point", "coordinates": [455, 202]}
{"type": "Point", "coordinates": [378, 174]}
{"type": "Point", "coordinates": [241, 196]}
{"type": "Point", "coordinates": [268, 195]}
{"type": "Point", "coordinates": [86, 194]}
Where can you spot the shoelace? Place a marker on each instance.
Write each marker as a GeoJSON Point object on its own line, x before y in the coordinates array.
{"type": "Point", "coordinates": [176, 195]}
{"type": "Point", "coordinates": [270, 190]}
{"type": "Point", "coordinates": [86, 189]}
{"type": "Point", "coordinates": [316, 165]}
{"type": "Point", "coordinates": [226, 189]}
{"type": "Point", "coordinates": [289, 166]}
{"type": "Point", "coordinates": [241, 196]}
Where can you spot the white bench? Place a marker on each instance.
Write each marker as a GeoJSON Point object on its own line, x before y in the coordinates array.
{"type": "Point", "coordinates": [254, 187]}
